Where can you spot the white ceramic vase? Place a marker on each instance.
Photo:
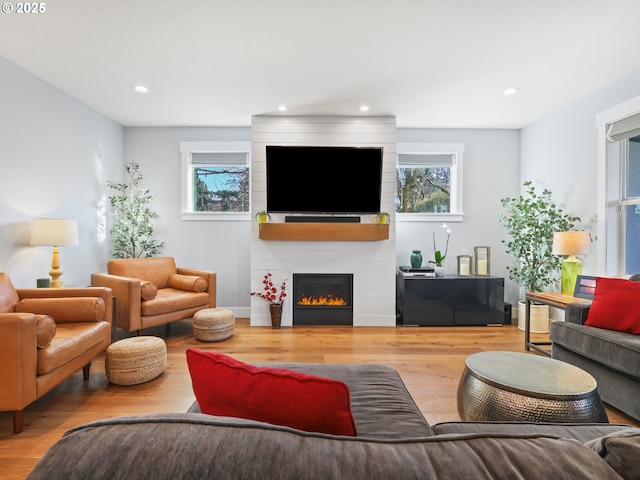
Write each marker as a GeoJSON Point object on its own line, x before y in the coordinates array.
{"type": "Point", "coordinates": [539, 322]}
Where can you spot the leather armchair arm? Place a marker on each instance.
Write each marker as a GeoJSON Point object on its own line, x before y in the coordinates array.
{"type": "Point", "coordinates": [577, 312]}
{"type": "Point", "coordinates": [210, 277]}
{"type": "Point", "coordinates": [18, 357]}
{"type": "Point", "coordinates": [128, 295]}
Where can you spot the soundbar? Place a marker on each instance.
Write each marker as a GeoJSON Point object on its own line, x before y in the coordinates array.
{"type": "Point", "coordinates": [319, 219]}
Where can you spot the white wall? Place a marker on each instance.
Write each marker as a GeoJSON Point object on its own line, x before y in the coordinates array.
{"type": "Point", "coordinates": [220, 246]}
{"type": "Point", "coordinates": [55, 154]}
{"type": "Point", "coordinates": [559, 152]}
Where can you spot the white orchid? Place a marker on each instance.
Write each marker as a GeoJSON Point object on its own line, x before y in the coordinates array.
{"type": "Point", "coordinates": [439, 257]}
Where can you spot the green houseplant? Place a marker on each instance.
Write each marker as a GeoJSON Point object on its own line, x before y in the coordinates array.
{"type": "Point", "coordinates": [133, 231]}
{"type": "Point", "coordinates": [531, 220]}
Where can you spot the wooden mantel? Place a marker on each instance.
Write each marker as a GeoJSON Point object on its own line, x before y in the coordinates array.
{"type": "Point", "coordinates": [324, 231]}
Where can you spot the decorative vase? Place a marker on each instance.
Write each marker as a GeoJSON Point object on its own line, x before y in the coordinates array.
{"type": "Point", "coordinates": [416, 259]}
{"type": "Point", "coordinates": [439, 271]}
{"type": "Point", "coordinates": [275, 309]}
{"type": "Point", "coordinates": [539, 320]}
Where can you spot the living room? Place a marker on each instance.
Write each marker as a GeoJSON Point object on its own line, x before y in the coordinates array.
{"type": "Point", "coordinates": [58, 154]}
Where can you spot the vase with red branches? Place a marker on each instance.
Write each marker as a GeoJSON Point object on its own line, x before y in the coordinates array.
{"type": "Point", "coordinates": [275, 298]}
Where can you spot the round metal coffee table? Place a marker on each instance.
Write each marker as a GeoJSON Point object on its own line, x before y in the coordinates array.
{"type": "Point", "coordinates": [512, 386]}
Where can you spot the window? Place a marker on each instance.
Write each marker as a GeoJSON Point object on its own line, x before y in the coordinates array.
{"type": "Point", "coordinates": [429, 181]}
{"type": "Point", "coordinates": [630, 205]}
{"type": "Point", "coordinates": [215, 180]}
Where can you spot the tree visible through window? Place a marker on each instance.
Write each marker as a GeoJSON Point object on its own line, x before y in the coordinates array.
{"type": "Point", "coordinates": [423, 190]}
{"type": "Point", "coordinates": [220, 189]}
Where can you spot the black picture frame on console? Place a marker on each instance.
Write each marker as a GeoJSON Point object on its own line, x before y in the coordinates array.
{"type": "Point", "coordinates": [323, 179]}
{"type": "Point", "coordinates": [585, 287]}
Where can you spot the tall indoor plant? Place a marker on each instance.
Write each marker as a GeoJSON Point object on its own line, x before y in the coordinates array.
{"type": "Point", "coordinates": [531, 220]}
{"type": "Point", "coordinates": [132, 233]}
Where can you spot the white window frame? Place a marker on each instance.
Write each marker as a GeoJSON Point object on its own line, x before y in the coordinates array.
{"type": "Point", "coordinates": [610, 244]}
{"type": "Point", "coordinates": [457, 150]}
{"type": "Point", "coordinates": [187, 149]}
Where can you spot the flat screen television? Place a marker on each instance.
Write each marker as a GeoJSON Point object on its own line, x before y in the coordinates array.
{"type": "Point", "coordinates": [324, 180]}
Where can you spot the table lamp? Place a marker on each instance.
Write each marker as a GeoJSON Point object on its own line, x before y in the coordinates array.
{"type": "Point", "coordinates": [571, 244]}
{"type": "Point", "coordinates": [54, 232]}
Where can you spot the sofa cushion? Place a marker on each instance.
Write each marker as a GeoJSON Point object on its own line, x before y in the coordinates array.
{"type": "Point", "coordinates": [583, 432]}
{"type": "Point", "coordinates": [8, 295]}
{"type": "Point", "coordinates": [67, 309]}
{"type": "Point", "coordinates": [71, 341]}
{"type": "Point", "coordinates": [621, 450]}
{"type": "Point", "coordinates": [148, 290]}
{"type": "Point", "coordinates": [171, 300]}
{"type": "Point", "coordinates": [617, 350]}
{"type": "Point", "coordinates": [45, 330]}
{"type": "Point", "coordinates": [227, 387]}
{"type": "Point", "coordinates": [190, 283]}
{"type": "Point", "coordinates": [615, 306]}
{"type": "Point", "coordinates": [199, 446]}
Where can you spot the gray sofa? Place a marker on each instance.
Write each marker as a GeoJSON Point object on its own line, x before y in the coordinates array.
{"type": "Point", "coordinates": [394, 441]}
{"type": "Point", "coordinates": [613, 358]}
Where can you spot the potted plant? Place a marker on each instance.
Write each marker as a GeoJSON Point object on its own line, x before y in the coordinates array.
{"type": "Point", "coordinates": [440, 257]}
{"type": "Point", "coordinates": [531, 220]}
{"type": "Point", "coordinates": [270, 293]}
{"type": "Point", "coordinates": [382, 218]}
{"type": "Point", "coordinates": [263, 216]}
{"type": "Point", "coordinates": [133, 230]}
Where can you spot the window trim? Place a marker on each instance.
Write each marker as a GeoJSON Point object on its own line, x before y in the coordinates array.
{"type": "Point", "coordinates": [418, 148]}
{"type": "Point", "coordinates": [186, 149]}
{"type": "Point", "coordinates": [609, 234]}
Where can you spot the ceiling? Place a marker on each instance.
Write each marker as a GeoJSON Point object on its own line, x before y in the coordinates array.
{"type": "Point", "coordinates": [429, 63]}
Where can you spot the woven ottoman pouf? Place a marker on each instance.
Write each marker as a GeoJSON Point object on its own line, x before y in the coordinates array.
{"type": "Point", "coordinates": [213, 324]}
{"type": "Point", "coordinates": [135, 360]}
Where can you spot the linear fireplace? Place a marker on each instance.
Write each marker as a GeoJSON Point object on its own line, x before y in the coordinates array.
{"type": "Point", "coordinates": [322, 299]}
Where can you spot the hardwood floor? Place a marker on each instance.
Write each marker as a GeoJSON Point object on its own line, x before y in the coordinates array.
{"type": "Point", "coordinates": [429, 359]}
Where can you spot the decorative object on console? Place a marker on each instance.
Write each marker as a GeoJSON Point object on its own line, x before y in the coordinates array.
{"type": "Point", "coordinates": [585, 287]}
{"type": "Point", "coordinates": [54, 232]}
{"type": "Point", "coordinates": [482, 260]}
{"type": "Point", "coordinates": [439, 257]}
{"type": "Point", "coordinates": [133, 231]}
{"type": "Point", "coordinates": [416, 259]}
{"type": "Point", "coordinates": [464, 265]}
{"type": "Point", "coordinates": [43, 282]}
{"type": "Point", "coordinates": [571, 244]}
{"type": "Point", "coordinates": [270, 294]}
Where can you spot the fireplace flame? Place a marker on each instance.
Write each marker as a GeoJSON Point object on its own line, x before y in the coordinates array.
{"type": "Point", "coordinates": [329, 300]}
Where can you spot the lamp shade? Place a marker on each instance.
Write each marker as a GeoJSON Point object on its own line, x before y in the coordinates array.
{"type": "Point", "coordinates": [571, 243]}
{"type": "Point", "coordinates": [54, 232]}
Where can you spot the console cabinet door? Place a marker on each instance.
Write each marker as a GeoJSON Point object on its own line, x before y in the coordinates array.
{"type": "Point", "coordinates": [479, 301]}
{"type": "Point", "coordinates": [426, 301]}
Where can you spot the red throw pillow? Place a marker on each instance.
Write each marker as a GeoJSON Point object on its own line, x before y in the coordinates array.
{"type": "Point", "coordinates": [227, 387]}
{"type": "Point", "coordinates": [615, 305]}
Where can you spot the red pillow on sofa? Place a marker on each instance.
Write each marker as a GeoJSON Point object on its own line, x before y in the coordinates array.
{"type": "Point", "coordinates": [615, 305]}
{"type": "Point", "coordinates": [227, 387]}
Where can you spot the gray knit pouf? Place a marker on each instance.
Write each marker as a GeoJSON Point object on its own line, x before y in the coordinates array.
{"type": "Point", "coordinates": [135, 360]}
{"type": "Point", "coordinates": [213, 324]}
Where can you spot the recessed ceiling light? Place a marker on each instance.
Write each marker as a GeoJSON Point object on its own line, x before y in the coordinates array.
{"type": "Point", "coordinates": [364, 108]}
{"type": "Point", "coordinates": [141, 89]}
{"type": "Point", "coordinates": [510, 91]}
{"type": "Point", "coordinates": [282, 108]}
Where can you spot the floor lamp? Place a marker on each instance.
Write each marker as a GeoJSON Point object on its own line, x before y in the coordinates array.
{"type": "Point", "coordinates": [571, 244]}
{"type": "Point", "coordinates": [54, 232]}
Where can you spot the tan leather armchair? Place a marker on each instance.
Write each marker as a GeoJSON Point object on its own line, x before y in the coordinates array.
{"type": "Point", "coordinates": [153, 291]}
{"type": "Point", "coordinates": [48, 334]}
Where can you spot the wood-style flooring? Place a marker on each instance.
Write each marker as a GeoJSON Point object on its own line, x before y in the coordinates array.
{"type": "Point", "coordinates": [429, 360]}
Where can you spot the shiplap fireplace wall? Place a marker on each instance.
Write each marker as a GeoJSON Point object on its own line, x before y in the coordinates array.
{"type": "Point", "coordinates": [372, 263]}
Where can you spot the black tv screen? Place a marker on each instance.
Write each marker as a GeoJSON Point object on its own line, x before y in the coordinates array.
{"type": "Point", "coordinates": [324, 180]}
